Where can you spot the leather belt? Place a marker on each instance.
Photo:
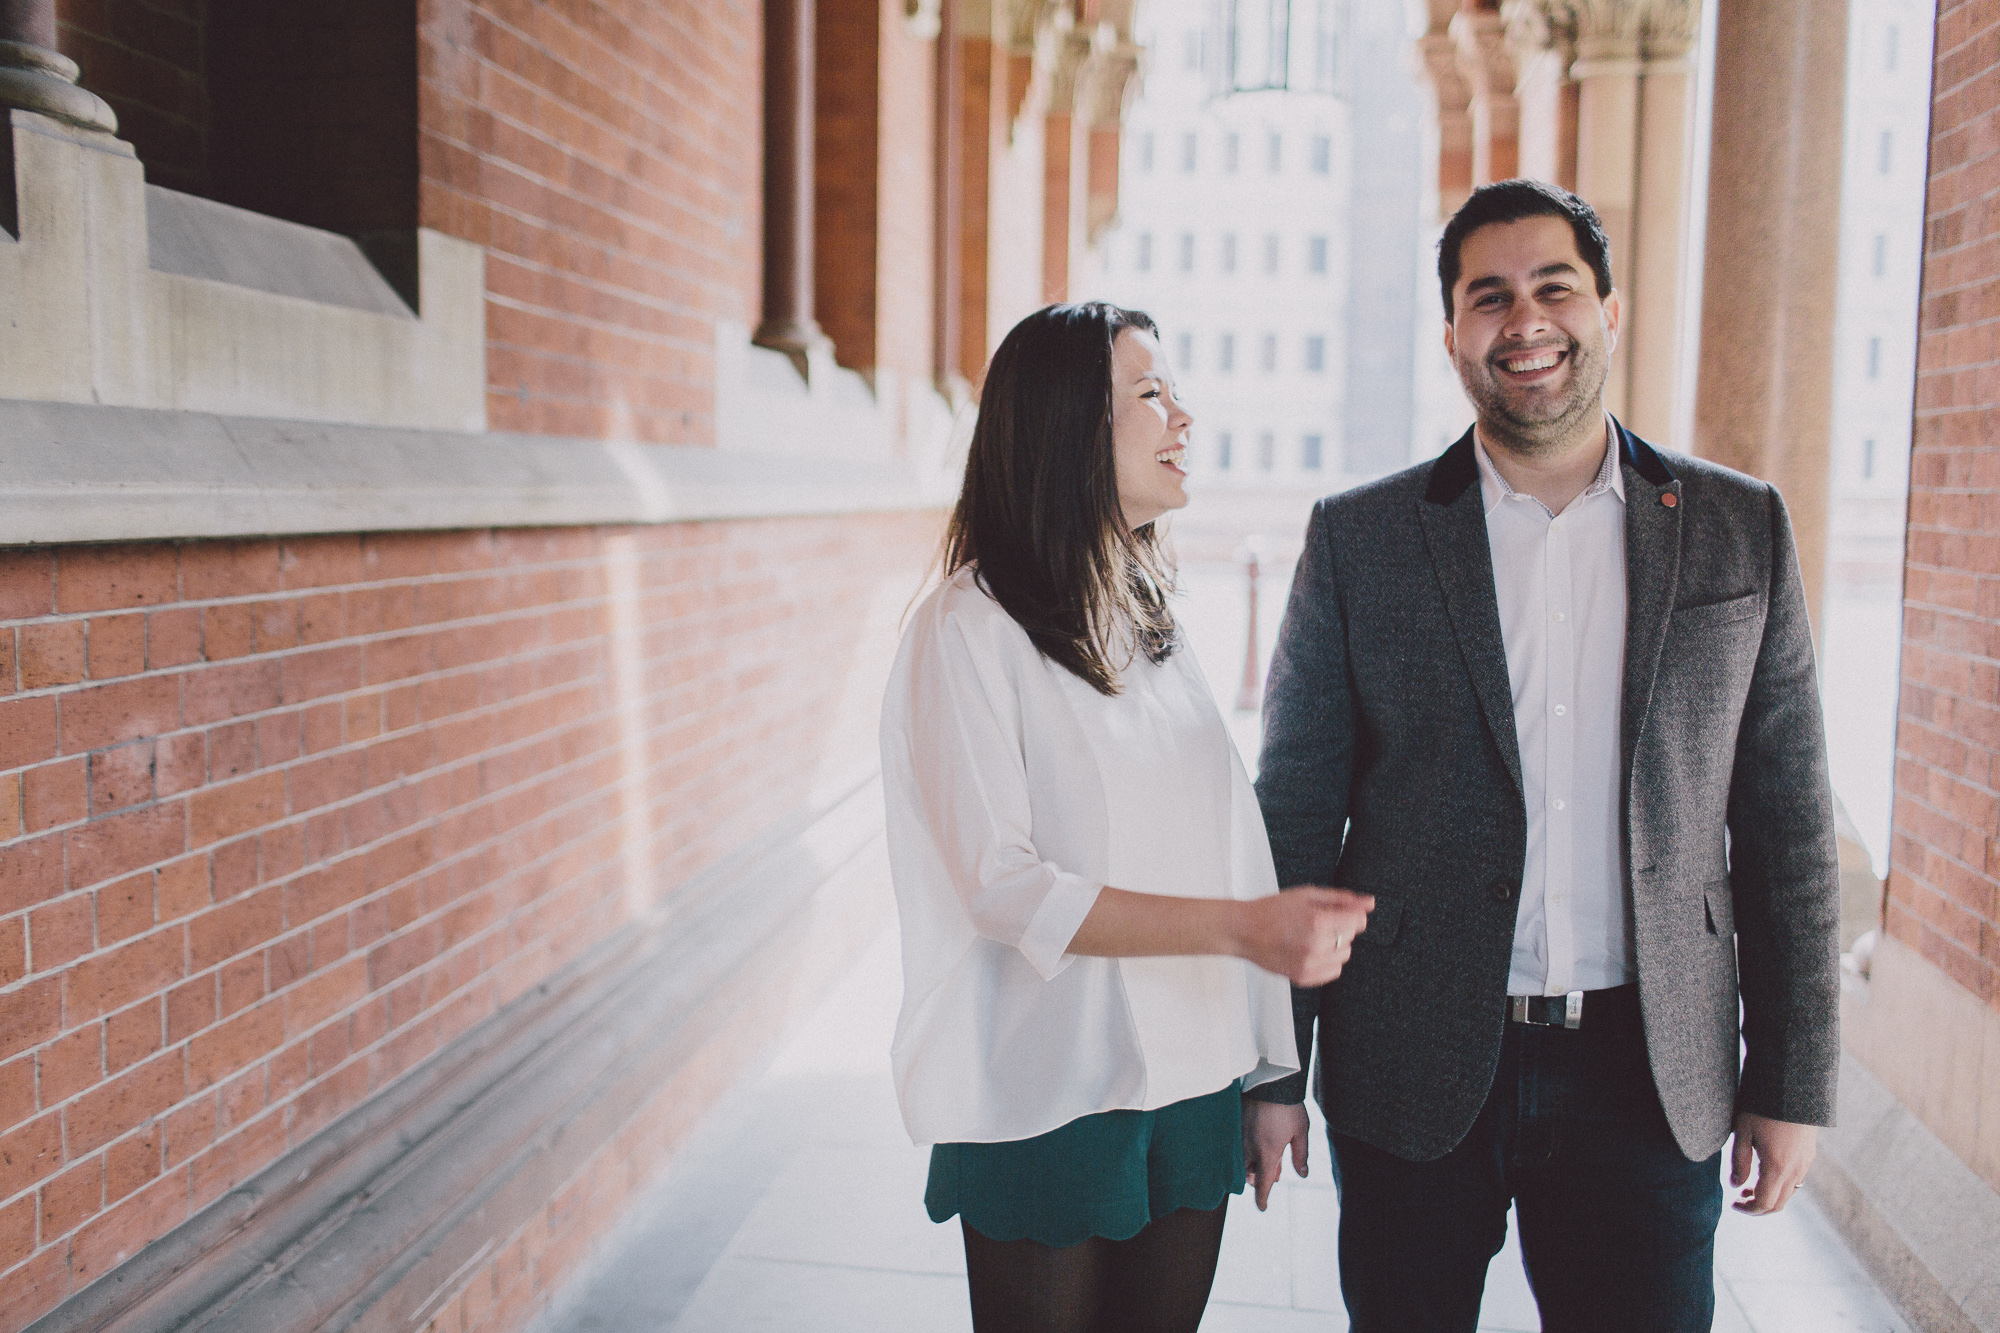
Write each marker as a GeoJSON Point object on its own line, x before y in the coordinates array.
{"type": "Point", "coordinates": [1569, 1011]}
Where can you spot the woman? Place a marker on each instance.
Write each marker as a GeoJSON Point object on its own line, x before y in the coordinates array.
{"type": "Point", "coordinates": [1076, 1050]}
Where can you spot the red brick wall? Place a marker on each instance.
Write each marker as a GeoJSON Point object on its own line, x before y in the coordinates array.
{"type": "Point", "coordinates": [607, 153]}
{"type": "Point", "coordinates": [1944, 876]}
{"type": "Point", "coordinates": [145, 57]}
{"type": "Point", "coordinates": [278, 819]}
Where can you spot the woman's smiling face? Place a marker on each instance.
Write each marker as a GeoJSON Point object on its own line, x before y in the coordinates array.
{"type": "Point", "coordinates": [1149, 430]}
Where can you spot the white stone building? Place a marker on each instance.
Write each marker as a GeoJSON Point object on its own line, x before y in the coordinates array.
{"type": "Point", "coordinates": [1234, 231]}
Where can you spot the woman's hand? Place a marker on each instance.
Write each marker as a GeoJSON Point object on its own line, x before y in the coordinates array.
{"type": "Point", "coordinates": [1305, 934]}
{"type": "Point", "coordinates": [1268, 1131]}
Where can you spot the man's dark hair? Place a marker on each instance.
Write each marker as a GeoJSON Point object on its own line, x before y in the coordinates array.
{"type": "Point", "coordinates": [1510, 201]}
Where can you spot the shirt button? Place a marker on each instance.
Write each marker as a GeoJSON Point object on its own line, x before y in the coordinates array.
{"type": "Point", "coordinates": [1561, 711]}
{"type": "Point", "coordinates": [1559, 805]}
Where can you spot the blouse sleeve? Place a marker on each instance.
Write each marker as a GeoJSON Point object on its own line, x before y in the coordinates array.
{"type": "Point", "coordinates": [966, 792]}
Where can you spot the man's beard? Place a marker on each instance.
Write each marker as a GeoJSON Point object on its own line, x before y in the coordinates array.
{"type": "Point", "coordinates": [1541, 426]}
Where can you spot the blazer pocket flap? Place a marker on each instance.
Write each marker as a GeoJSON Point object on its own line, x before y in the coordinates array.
{"type": "Point", "coordinates": [1384, 923]}
{"type": "Point", "coordinates": [1720, 905]}
{"type": "Point", "coordinates": [1745, 607]}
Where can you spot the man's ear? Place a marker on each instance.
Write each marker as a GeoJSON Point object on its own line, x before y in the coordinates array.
{"type": "Point", "coordinates": [1614, 309]}
{"type": "Point", "coordinates": [1450, 342]}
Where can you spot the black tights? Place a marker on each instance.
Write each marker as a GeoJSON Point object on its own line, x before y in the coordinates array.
{"type": "Point", "coordinates": [1156, 1282]}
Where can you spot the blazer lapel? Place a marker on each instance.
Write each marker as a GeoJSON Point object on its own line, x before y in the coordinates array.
{"type": "Point", "coordinates": [1452, 513]}
{"type": "Point", "coordinates": [1652, 573]}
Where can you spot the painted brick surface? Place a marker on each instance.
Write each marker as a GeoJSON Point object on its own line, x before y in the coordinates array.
{"type": "Point", "coordinates": [279, 819]}
{"type": "Point", "coordinates": [608, 155]}
{"type": "Point", "coordinates": [1944, 878]}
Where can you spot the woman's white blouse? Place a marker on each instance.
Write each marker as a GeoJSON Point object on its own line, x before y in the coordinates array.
{"type": "Point", "coordinates": [1015, 793]}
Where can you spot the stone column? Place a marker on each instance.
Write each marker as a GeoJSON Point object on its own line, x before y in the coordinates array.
{"type": "Point", "coordinates": [1061, 50]}
{"type": "Point", "coordinates": [1488, 65]}
{"type": "Point", "coordinates": [34, 77]}
{"type": "Point", "coordinates": [948, 193]}
{"type": "Point", "coordinates": [1764, 399]}
{"type": "Point", "coordinates": [1654, 266]}
{"type": "Point", "coordinates": [1542, 42]}
{"type": "Point", "coordinates": [788, 325]}
{"type": "Point", "coordinates": [1437, 53]}
{"type": "Point", "coordinates": [1607, 73]}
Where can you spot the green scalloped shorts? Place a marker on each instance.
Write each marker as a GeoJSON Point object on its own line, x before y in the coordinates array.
{"type": "Point", "coordinates": [1107, 1174]}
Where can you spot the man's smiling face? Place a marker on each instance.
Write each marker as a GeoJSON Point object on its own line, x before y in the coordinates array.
{"type": "Point", "coordinates": [1529, 336]}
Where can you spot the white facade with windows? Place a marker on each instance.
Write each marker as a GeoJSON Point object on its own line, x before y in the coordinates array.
{"type": "Point", "coordinates": [1881, 252]}
{"type": "Point", "coordinates": [1234, 233]}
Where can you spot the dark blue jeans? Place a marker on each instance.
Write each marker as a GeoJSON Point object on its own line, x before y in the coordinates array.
{"type": "Point", "coordinates": [1617, 1227]}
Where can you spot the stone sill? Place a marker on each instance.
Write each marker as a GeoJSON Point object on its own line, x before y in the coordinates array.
{"type": "Point", "coordinates": [82, 473]}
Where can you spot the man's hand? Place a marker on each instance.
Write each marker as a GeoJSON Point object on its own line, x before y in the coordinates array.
{"type": "Point", "coordinates": [1305, 934]}
{"type": "Point", "coordinates": [1784, 1153]}
{"type": "Point", "coordinates": [1268, 1129]}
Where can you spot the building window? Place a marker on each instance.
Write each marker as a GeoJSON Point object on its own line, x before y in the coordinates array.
{"type": "Point", "coordinates": [1228, 258]}
{"type": "Point", "coordinates": [1309, 453]}
{"type": "Point", "coordinates": [1187, 252]}
{"type": "Point", "coordinates": [1146, 151]}
{"type": "Point", "coordinates": [1225, 354]}
{"type": "Point", "coordinates": [1271, 252]}
{"type": "Point", "coordinates": [1885, 154]}
{"type": "Point", "coordinates": [1184, 353]}
{"type": "Point", "coordinates": [1316, 254]}
{"type": "Point", "coordinates": [1143, 260]}
{"type": "Point", "coordinates": [1322, 154]}
{"type": "Point", "coordinates": [1260, 44]}
{"type": "Point", "coordinates": [1190, 149]}
{"type": "Point", "coordinates": [1191, 50]}
{"type": "Point", "coordinates": [1274, 153]}
{"type": "Point", "coordinates": [1232, 146]}
{"type": "Point", "coordinates": [1222, 451]}
{"type": "Point", "coordinates": [1881, 254]}
{"type": "Point", "coordinates": [1267, 451]}
{"type": "Point", "coordinates": [1874, 358]}
{"type": "Point", "coordinates": [1267, 358]}
{"type": "Point", "coordinates": [1889, 48]}
{"type": "Point", "coordinates": [1316, 353]}
{"type": "Point", "coordinates": [1868, 460]}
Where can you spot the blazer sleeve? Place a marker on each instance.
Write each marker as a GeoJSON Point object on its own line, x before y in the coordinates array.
{"type": "Point", "coordinates": [1784, 867]}
{"type": "Point", "coordinates": [963, 796]}
{"type": "Point", "coordinates": [1308, 758]}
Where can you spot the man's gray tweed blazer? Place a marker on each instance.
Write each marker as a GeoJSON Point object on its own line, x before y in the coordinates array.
{"type": "Point", "coordinates": [1390, 765]}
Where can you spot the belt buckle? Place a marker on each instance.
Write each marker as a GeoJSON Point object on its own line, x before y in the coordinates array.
{"type": "Point", "coordinates": [1521, 1008]}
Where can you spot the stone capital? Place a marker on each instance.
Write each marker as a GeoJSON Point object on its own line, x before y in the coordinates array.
{"type": "Point", "coordinates": [1484, 56]}
{"type": "Point", "coordinates": [1437, 52]}
{"type": "Point", "coordinates": [1109, 80]}
{"type": "Point", "coordinates": [1536, 28]}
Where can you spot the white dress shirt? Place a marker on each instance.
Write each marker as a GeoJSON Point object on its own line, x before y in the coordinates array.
{"type": "Point", "coordinates": [1015, 792]}
{"type": "Point", "coordinates": [1561, 585]}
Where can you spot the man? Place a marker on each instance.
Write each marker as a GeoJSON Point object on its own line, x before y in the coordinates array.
{"type": "Point", "coordinates": [1550, 698]}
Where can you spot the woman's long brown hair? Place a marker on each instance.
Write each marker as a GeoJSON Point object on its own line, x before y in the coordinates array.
{"type": "Point", "coordinates": [1039, 514]}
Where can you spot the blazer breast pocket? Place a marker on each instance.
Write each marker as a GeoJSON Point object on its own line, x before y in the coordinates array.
{"type": "Point", "coordinates": [1710, 614]}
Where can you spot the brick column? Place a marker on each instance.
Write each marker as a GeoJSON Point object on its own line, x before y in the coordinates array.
{"type": "Point", "coordinates": [34, 77]}
{"type": "Point", "coordinates": [1764, 399]}
{"type": "Point", "coordinates": [788, 324]}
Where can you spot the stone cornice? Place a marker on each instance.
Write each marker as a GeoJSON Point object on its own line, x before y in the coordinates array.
{"type": "Point", "coordinates": [82, 473]}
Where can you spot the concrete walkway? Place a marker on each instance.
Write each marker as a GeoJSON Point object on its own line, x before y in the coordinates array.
{"type": "Point", "coordinates": [798, 1208]}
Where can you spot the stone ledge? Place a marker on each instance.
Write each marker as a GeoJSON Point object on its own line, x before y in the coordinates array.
{"type": "Point", "coordinates": [369, 1223]}
{"type": "Point", "coordinates": [1921, 1221]}
{"type": "Point", "coordinates": [82, 473]}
